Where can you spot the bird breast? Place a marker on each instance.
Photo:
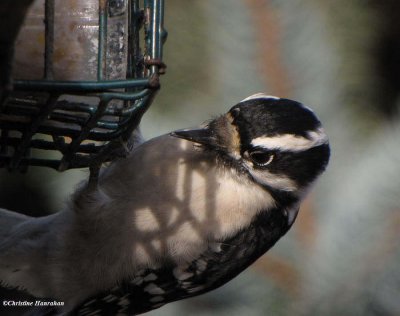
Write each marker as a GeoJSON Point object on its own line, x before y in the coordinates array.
{"type": "Point", "coordinates": [180, 201]}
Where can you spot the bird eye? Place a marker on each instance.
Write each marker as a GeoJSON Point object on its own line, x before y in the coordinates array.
{"type": "Point", "coordinates": [261, 158]}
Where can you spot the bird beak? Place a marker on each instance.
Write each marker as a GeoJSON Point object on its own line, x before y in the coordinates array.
{"type": "Point", "coordinates": [200, 136]}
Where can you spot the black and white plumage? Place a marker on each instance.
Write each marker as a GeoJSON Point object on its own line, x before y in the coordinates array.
{"type": "Point", "coordinates": [182, 215]}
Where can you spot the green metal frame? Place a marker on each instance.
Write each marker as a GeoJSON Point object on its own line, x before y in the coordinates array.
{"type": "Point", "coordinates": [85, 134]}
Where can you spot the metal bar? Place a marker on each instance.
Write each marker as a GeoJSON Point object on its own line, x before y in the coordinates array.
{"type": "Point", "coordinates": [68, 118]}
{"type": "Point", "coordinates": [135, 60]}
{"type": "Point", "coordinates": [76, 107]}
{"type": "Point", "coordinates": [49, 39]}
{"type": "Point", "coordinates": [156, 31]}
{"type": "Point", "coordinates": [84, 86]}
{"type": "Point", "coordinates": [22, 148]}
{"type": "Point", "coordinates": [81, 121]}
{"type": "Point", "coordinates": [91, 123]}
{"type": "Point", "coordinates": [102, 39]}
{"type": "Point", "coordinates": [126, 95]}
{"type": "Point", "coordinates": [137, 115]}
{"type": "Point", "coordinates": [108, 125]}
{"type": "Point", "coordinates": [61, 131]}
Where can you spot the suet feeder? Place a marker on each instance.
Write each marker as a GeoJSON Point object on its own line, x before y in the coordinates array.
{"type": "Point", "coordinates": [84, 73]}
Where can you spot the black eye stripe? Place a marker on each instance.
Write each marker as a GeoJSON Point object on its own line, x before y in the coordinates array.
{"type": "Point", "coordinates": [301, 166]}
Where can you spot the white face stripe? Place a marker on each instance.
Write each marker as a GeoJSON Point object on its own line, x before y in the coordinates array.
{"type": "Point", "coordinates": [278, 182]}
{"type": "Point", "coordinates": [292, 142]}
{"type": "Point", "coordinates": [260, 96]}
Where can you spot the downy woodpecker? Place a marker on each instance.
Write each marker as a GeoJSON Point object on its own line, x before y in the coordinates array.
{"type": "Point", "coordinates": [183, 214]}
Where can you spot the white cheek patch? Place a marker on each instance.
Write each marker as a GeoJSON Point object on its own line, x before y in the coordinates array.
{"type": "Point", "coordinates": [276, 181]}
{"type": "Point", "coordinates": [290, 142]}
{"type": "Point", "coordinates": [260, 96]}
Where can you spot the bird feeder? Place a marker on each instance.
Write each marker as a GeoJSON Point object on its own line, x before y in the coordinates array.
{"type": "Point", "coordinates": [83, 74]}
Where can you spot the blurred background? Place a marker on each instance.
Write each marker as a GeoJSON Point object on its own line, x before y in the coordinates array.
{"type": "Point", "coordinates": [342, 58]}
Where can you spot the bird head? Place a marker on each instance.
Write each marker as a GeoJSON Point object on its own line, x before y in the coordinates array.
{"type": "Point", "coordinates": [279, 143]}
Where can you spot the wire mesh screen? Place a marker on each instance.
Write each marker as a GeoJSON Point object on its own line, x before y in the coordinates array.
{"type": "Point", "coordinates": [84, 72]}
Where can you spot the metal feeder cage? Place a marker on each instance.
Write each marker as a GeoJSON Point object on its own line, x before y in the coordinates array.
{"type": "Point", "coordinates": [72, 123]}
